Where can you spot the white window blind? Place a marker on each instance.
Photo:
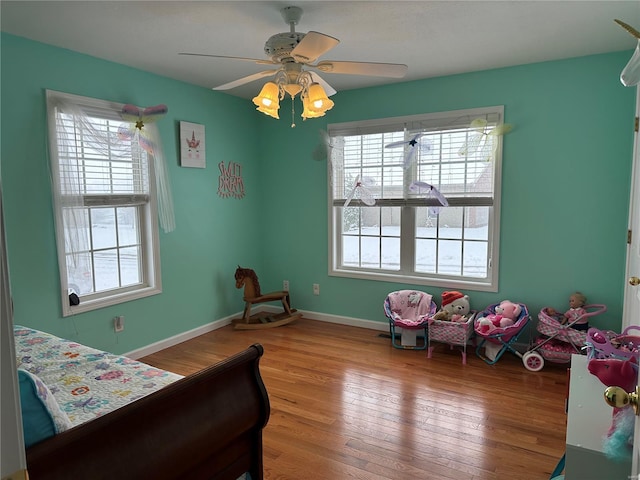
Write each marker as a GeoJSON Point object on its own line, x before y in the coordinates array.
{"type": "Point", "coordinates": [104, 204]}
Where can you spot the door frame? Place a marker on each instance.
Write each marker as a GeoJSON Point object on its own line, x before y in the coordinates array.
{"type": "Point", "coordinates": [631, 305]}
{"type": "Point", "coordinates": [631, 313]}
{"type": "Point", "coordinates": [12, 451]}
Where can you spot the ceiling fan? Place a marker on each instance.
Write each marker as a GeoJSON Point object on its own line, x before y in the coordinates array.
{"type": "Point", "coordinates": [289, 52]}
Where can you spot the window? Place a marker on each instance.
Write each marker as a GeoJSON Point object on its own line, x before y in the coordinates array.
{"type": "Point", "coordinates": [104, 202]}
{"type": "Point", "coordinates": [406, 236]}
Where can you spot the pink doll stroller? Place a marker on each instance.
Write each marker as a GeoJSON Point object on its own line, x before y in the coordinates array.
{"type": "Point", "coordinates": [558, 342]}
{"type": "Point", "coordinates": [499, 339]}
{"type": "Point", "coordinates": [410, 310]}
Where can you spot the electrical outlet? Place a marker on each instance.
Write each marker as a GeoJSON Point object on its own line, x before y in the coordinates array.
{"type": "Point", "coordinates": [285, 285]}
{"type": "Point", "coordinates": [118, 323]}
{"type": "Point", "coordinates": [316, 289]}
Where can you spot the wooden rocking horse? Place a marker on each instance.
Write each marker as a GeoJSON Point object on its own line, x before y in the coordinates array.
{"type": "Point", "coordinates": [247, 278]}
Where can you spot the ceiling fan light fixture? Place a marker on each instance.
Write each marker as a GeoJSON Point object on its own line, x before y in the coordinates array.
{"type": "Point", "coordinates": [310, 112]}
{"type": "Point", "coordinates": [292, 89]}
{"type": "Point", "coordinates": [314, 99]}
{"type": "Point", "coordinates": [272, 112]}
{"type": "Point", "coordinates": [317, 99]}
{"type": "Point", "coordinates": [268, 101]}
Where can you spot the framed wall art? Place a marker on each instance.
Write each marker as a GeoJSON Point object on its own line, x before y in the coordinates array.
{"type": "Point", "coordinates": [192, 145]}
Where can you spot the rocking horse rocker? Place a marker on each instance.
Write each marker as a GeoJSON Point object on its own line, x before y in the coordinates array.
{"type": "Point", "coordinates": [248, 278]}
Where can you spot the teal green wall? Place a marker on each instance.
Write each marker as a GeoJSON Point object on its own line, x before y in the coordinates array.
{"type": "Point", "coordinates": [212, 234]}
{"type": "Point", "coordinates": [565, 193]}
{"type": "Point", "coordinates": [565, 190]}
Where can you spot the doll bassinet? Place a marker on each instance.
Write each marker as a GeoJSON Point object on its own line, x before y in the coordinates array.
{"type": "Point", "coordinates": [558, 341]}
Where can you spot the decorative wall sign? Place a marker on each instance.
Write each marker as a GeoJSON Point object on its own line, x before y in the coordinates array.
{"type": "Point", "coordinates": [230, 181]}
{"type": "Point", "coordinates": [192, 145]}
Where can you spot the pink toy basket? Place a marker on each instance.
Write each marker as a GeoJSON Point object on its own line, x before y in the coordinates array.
{"type": "Point", "coordinates": [453, 333]}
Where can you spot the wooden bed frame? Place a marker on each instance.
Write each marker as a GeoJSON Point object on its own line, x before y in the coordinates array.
{"type": "Point", "coordinates": [205, 426]}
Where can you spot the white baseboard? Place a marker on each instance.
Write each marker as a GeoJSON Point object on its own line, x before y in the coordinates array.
{"type": "Point", "coordinates": [326, 317]}
{"type": "Point", "coordinates": [382, 326]}
{"type": "Point", "coordinates": [209, 327]}
{"type": "Point", "coordinates": [353, 322]}
{"type": "Point", "coordinates": [181, 337]}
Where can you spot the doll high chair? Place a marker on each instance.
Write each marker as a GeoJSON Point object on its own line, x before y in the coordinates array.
{"type": "Point", "coordinates": [412, 311]}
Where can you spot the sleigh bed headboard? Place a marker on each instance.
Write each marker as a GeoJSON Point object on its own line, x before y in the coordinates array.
{"type": "Point", "coordinates": [204, 426]}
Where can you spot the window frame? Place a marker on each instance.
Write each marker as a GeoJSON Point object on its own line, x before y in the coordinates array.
{"type": "Point", "coordinates": [147, 218]}
{"type": "Point", "coordinates": [407, 241]}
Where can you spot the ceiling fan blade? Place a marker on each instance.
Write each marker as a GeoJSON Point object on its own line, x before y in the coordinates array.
{"type": "Point", "coordinates": [247, 79]}
{"type": "Point", "coordinates": [312, 46]}
{"type": "Point", "coordinates": [328, 89]}
{"type": "Point", "coordinates": [244, 59]}
{"type": "Point", "coordinates": [392, 70]}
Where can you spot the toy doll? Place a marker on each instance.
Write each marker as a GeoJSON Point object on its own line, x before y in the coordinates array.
{"type": "Point", "coordinates": [577, 301]}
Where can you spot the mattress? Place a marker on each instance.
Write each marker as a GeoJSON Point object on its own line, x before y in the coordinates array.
{"type": "Point", "coordinates": [85, 382]}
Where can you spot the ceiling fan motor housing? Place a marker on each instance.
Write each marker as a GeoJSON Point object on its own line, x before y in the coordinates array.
{"type": "Point", "coordinates": [280, 45]}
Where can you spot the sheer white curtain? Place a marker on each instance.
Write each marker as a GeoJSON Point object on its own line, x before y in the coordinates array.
{"type": "Point", "coordinates": [163, 187]}
{"type": "Point", "coordinates": [79, 128]}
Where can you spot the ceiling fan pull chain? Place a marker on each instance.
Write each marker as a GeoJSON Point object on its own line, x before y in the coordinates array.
{"type": "Point", "coordinates": [293, 114]}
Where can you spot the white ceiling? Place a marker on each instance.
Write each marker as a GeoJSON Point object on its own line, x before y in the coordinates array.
{"type": "Point", "coordinates": [433, 38]}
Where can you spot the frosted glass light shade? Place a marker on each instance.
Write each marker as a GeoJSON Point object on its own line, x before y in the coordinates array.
{"type": "Point", "coordinates": [318, 100]}
{"type": "Point", "coordinates": [309, 112]}
{"type": "Point", "coordinates": [268, 101]}
{"type": "Point", "coordinates": [271, 111]}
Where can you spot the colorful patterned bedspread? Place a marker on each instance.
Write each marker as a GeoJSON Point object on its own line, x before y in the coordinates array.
{"type": "Point", "coordinates": [87, 383]}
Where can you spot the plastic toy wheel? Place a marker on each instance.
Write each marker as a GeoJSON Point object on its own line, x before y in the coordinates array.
{"type": "Point", "coordinates": [533, 361]}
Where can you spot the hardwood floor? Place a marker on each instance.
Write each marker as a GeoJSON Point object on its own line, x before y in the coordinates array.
{"type": "Point", "coordinates": [346, 404]}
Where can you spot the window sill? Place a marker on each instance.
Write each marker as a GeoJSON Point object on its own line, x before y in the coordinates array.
{"type": "Point", "coordinates": [89, 305]}
{"type": "Point", "coordinates": [447, 283]}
